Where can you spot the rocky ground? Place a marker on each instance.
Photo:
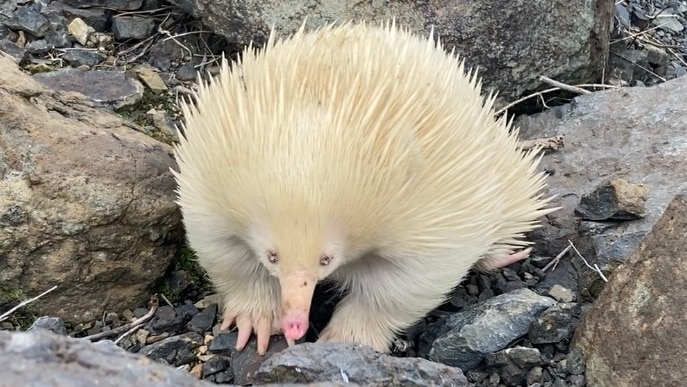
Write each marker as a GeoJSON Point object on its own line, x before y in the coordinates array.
{"type": "Point", "coordinates": [143, 62]}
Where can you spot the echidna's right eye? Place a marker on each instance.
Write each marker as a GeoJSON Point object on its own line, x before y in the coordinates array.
{"type": "Point", "coordinates": [272, 256]}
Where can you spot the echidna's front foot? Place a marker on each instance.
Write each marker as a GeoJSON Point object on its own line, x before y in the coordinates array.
{"type": "Point", "coordinates": [264, 325]}
{"type": "Point", "coordinates": [350, 326]}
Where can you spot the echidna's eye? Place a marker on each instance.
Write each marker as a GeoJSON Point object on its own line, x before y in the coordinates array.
{"type": "Point", "coordinates": [272, 256]}
{"type": "Point", "coordinates": [325, 259]}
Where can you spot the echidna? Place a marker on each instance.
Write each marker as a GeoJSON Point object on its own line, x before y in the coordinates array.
{"type": "Point", "coordinates": [355, 153]}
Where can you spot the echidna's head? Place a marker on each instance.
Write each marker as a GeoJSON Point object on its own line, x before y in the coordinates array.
{"type": "Point", "coordinates": [300, 250]}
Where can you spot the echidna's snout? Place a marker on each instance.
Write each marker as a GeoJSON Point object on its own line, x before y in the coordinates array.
{"type": "Point", "coordinates": [297, 288]}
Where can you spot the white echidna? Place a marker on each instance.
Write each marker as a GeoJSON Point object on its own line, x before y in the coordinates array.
{"type": "Point", "coordinates": [355, 153]}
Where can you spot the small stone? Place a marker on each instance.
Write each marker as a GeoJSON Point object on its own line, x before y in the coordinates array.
{"type": "Point", "coordinates": [150, 78]}
{"type": "Point", "coordinates": [203, 321]}
{"type": "Point", "coordinates": [132, 27]}
{"type": "Point", "coordinates": [534, 375]}
{"type": "Point", "coordinates": [555, 324]}
{"type": "Point", "coordinates": [614, 199]}
{"type": "Point", "coordinates": [669, 23]}
{"type": "Point", "coordinates": [50, 324]}
{"type": "Point", "coordinates": [186, 73]}
{"type": "Point", "coordinates": [218, 368]}
{"type": "Point", "coordinates": [561, 294]}
{"type": "Point", "coordinates": [80, 30]}
{"type": "Point", "coordinates": [83, 57]}
{"type": "Point", "coordinates": [175, 349]}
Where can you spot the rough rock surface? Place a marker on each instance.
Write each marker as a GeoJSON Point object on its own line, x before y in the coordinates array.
{"type": "Point", "coordinates": [310, 362]}
{"type": "Point", "coordinates": [571, 42]}
{"type": "Point", "coordinates": [463, 339]}
{"type": "Point", "coordinates": [637, 134]}
{"type": "Point", "coordinates": [86, 203]}
{"type": "Point", "coordinates": [43, 359]}
{"type": "Point", "coordinates": [634, 335]}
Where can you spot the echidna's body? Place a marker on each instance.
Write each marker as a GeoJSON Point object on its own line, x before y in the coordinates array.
{"type": "Point", "coordinates": [358, 153]}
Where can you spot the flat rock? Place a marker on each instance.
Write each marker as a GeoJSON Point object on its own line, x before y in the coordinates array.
{"type": "Point", "coordinates": [86, 203]}
{"type": "Point", "coordinates": [112, 88]}
{"type": "Point", "coordinates": [356, 364]}
{"type": "Point", "coordinates": [571, 42]}
{"type": "Point", "coordinates": [635, 134]}
{"type": "Point", "coordinates": [634, 335]}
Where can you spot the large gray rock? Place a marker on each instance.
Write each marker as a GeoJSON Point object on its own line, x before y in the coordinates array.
{"type": "Point", "coordinates": [350, 363]}
{"type": "Point", "coordinates": [512, 43]}
{"type": "Point", "coordinates": [634, 335]}
{"type": "Point", "coordinates": [86, 203]}
{"type": "Point", "coordinates": [635, 134]}
{"type": "Point", "coordinates": [41, 359]}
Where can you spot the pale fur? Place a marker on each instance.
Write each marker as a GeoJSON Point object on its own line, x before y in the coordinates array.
{"type": "Point", "coordinates": [366, 143]}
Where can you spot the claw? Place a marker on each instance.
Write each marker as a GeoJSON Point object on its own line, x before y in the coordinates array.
{"type": "Point", "coordinates": [245, 329]}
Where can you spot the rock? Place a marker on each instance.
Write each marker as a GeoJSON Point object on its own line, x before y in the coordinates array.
{"type": "Point", "coordinates": [514, 363]}
{"type": "Point", "coordinates": [60, 361]}
{"type": "Point", "coordinates": [572, 43]}
{"type": "Point", "coordinates": [96, 17]}
{"type": "Point", "coordinates": [50, 324]}
{"type": "Point", "coordinates": [465, 338]}
{"type": "Point", "coordinates": [561, 294]}
{"type": "Point", "coordinates": [119, 5]}
{"type": "Point", "coordinates": [634, 334]}
{"type": "Point", "coordinates": [89, 203]}
{"type": "Point", "coordinates": [217, 370]}
{"type": "Point", "coordinates": [668, 22]}
{"type": "Point", "coordinates": [83, 57]}
{"type": "Point", "coordinates": [635, 134]}
{"type": "Point", "coordinates": [132, 27]}
{"type": "Point", "coordinates": [186, 73]}
{"type": "Point", "coordinates": [613, 200]}
{"type": "Point", "coordinates": [204, 320]}
{"type": "Point", "coordinates": [112, 88]}
{"type": "Point", "coordinates": [150, 78]}
{"type": "Point", "coordinates": [353, 365]}
{"type": "Point", "coordinates": [245, 363]}
{"type": "Point", "coordinates": [555, 324]}
{"type": "Point", "coordinates": [175, 350]}
{"type": "Point", "coordinates": [29, 18]}
{"type": "Point", "coordinates": [80, 30]}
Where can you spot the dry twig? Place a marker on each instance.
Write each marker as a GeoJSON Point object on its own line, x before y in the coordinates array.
{"type": "Point", "coordinates": [5, 315]}
{"type": "Point", "coordinates": [552, 143]}
{"type": "Point", "coordinates": [595, 268]}
{"type": "Point", "coordinates": [152, 304]}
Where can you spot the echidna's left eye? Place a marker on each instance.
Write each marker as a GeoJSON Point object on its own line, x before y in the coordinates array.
{"type": "Point", "coordinates": [325, 260]}
{"type": "Point", "coordinates": [272, 256]}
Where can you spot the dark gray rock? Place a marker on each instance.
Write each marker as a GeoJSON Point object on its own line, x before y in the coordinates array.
{"type": "Point", "coordinates": [465, 338]}
{"type": "Point", "coordinates": [176, 350]}
{"type": "Point", "coordinates": [96, 17]}
{"type": "Point", "coordinates": [29, 18]}
{"type": "Point", "coordinates": [555, 324]}
{"type": "Point", "coordinates": [217, 370]}
{"type": "Point", "coordinates": [119, 5]}
{"type": "Point", "coordinates": [51, 324]}
{"type": "Point", "coordinates": [204, 320]}
{"type": "Point", "coordinates": [59, 361]}
{"type": "Point", "coordinates": [514, 364]}
{"type": "Point", "coordinates": [132, 27]}
{"type": "Point", "coordinates": [186, 73]}
{"type": "Point", "coordinates": [80, 57]}
{"type": "Point", "coordinates": [348, 363]}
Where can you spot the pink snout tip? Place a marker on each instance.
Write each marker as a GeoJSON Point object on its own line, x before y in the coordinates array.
{"type": "Point", "coordinates": [294, 327]}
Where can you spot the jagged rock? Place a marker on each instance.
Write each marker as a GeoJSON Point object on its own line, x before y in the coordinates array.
{"type": "Point", "coordinates": [465, 338]}
{"type": "Point", "coordinates": [634, 335]}
{"type": "Point", "coordinates": [348, 363]}
{"type": "Point", "coordinates": [571, 45]}
{"type": "Point", "coordinates": [44, 359]}
{"type": "Point", "coordinates": [87, 203]}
